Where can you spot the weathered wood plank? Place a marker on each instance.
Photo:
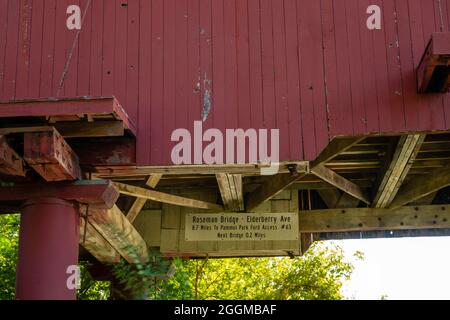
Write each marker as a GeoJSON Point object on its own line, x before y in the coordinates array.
{"type": "Point", "coordinates": [119, 232]}
{"type": "Point", "coordinates": [334, 148]}
{"type": "Point", "coordinates": [49, 155]}
{"type": "Point", "coordinates": [165, 197]}
{"type": "Point", "coordinates": [393, 177]}
{"type": "Point", "coordinates": [139, 203]}
{"type": "Point", "coordinates": [230, 187]}
{"type": "Point", "coordinates": [271, 187]}
{"type": "Point", "coordinates": [422, 186]}
{"type": "Point", "coordinates": [367, 219]}
{"type": "Point", "coordinates": [96, 244]}
{"type": "Point", "coordinates": [96, 193]}
{"type": "Point", "coordinates": [340, 182]}
{"type": "Point", "coordinates": [11, 163]}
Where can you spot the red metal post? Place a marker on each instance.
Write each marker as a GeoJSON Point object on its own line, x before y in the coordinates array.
{"type": "Point", "coordinates": [48, 245]}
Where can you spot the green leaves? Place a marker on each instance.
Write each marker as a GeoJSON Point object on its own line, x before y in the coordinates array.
{"type": "Point", "coordinates": [9, 246]}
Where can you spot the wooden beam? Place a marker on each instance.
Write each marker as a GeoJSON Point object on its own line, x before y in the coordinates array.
{"type": "Point", "coordinates": [271, 187]}
{"type": "Point", "coordinates": [11, 164]}
{"type": "Point", "coordinates": [335, 199]}
{"type": "Point", "coordinates": [96, 193]}
{"type": "Point", "coordinates": [230, 186]}
{"type": "Point", "coordinates": [334, 148]}
{"type": "Point", "coordinates": [433, 73]}
{"type": "Point", "coordinates": [422, 186]}
{"type": "Point", "coordinates": [74, 129]}
{"type": "Point", "coordinates": [406, 151]}
{"type": "Point", "coordinates": [340, 182]}
{"type": "Point", "coordinates": [49, 155]}
{"type": "Point", "coordinates": [120, 233]}
{"type": "Point", "coordinates": [96, 244]}
{"type": "Point", "coordinates": [139, 203]}
{"type": "Point", "coordinates": [66, 107]}
{"type": "Point", "coordinates": [104, 171]}
{"type": "Point", "coordinates": [368, 219]}
{"type": "Point", "coordinates": [165, 197]}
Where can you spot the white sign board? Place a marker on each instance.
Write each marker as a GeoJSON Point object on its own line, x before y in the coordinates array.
{"type": "Point", "coordinates": [241, 226]}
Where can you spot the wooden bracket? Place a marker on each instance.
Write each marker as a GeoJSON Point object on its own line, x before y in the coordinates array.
{"type": "Point", "coordinates": [49, 155]}
{"type": "Point", "coordinates": [11, 164]}
{"type": "Point", "coordinates": [433, 73]}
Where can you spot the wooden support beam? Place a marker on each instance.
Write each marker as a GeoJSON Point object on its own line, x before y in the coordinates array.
{"type": "Point", "coordinates": [120, 233]}
{"type": "Point", "coordinates": [75, 129]}
{"type": "Point", "coordinates": [271, 187]}
{"type": "Point", "coordinates": [389, 183]}
{"type": "Point", "coordinates": [165, 197]}
{"type": "Point", "coordinates": [49, 155]}
{"type": "Point", "coordinates": [139, 203]}
{"type": "Point", "coordinates": [11, 164]}
{"type": "Point", "coordinates": [340, 182]}
{"type": "Point", "coordinates": [96, 193]}
{"type": "Point", "coordinates": [334, 148]}
{"type": "Point", "coordinates": [368, 219]}
{"type": "Point", "coordinates": [96, 244]}
{"type": "Point", "coordinates": [230, 186]}
{"type": "Point", "coordinates": [335, 199]}
{"type": "Point", "coordinates": [433, 73]}
{"type": "Point", "coordinates": [68, 108]}
{"type": "Point", "coordinates": [422, 186]}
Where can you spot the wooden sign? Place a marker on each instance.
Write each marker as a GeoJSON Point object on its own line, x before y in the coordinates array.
{"type": "Point", "coordinates": [241, 226]}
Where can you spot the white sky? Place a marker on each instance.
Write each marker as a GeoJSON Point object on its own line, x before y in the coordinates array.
{"type": "Point", "coordinates": [404, 268]}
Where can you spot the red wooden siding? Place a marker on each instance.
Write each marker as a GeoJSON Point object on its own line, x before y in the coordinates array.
{"type": "Point", "coordinates": [310, 68]}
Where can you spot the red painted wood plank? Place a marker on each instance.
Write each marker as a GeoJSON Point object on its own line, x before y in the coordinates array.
{"type": "Point", "coordinates": [206, 71]}
{"type": "Point", "coordinates": [231, 90]}
{"type": "Point", "coordinates": [280, 70]}
{"type": "Point", "coordinates": [72, 53]}
{"type": "Point", "coordinates": [255, 66]}
{"type": "Point", "coordinates": [320, 116]}
{"type": "Point", "coordinates": [194, 72]}
{"type": "Point", "coordinates": [157, 101]}
{"type": "Point", "coordinates": [267, 57]}
{"type": "Point", "coordinates": [218, 50]}
{"type": "Point", "coordinates": [356, 77]}
{"type": "Point", "coordinates": [169, 75]}
{"type": "Point", "coordinates": [382, 76]}
{"type": "Point", "coordinates": [48, 50]}
{"type": "Point", "coordinates": [242, 55]}
{"type": "Point", "coordinates": [12, 34]}
{"type": "Point", "coordinates": [182, 83]}
{"type": "Point", "coordinates": [97, 34]}
{"type": "Point", "coordinates": [109, 44]}
{"type": "Point", "coordinates": [411, 99]}
{"type": "Point", "coordinates": [341, 116]}
{"type": "Point", "coordinates": [37, 27]}
{"type": "Point", "coordinates": [132, 61]}
{"type": "Point", "coordinates": [145, 71]}
{"type": "Point", "coordinates": [293, 81]}
{"type": "Point", "coordinates": [120, 51]}
{"type": "Point", "coordinates": [60, 52]}
{"type": "Point", "coordinates": [23, 54]}
{"type": "Point", "coordinates": [434, 101]}
{"type": "Point", "coordinates": [3, 30]}
{"type": "Point", "coordinates": [394, 68]}
{"type": "Point", "coordinates": [84, 52]}
{"type": "Point", "coordinates": [368, 69]}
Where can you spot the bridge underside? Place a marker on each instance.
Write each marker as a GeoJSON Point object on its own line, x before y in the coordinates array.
{"type": "Point", "coordinates": [358, 187]}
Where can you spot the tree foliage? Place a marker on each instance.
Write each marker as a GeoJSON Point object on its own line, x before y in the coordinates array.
{"type": "Point", "coordinates": [319, 274]}
{"type": "Point", "coordinates": [9, 244]}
